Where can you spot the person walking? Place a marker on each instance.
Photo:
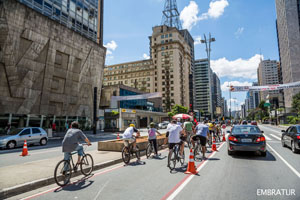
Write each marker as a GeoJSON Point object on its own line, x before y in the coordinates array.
{"type": "Point", "coordinates": [152, 136]}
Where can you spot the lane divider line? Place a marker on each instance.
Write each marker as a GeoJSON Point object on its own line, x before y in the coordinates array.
{"type": "Point", "coordinates": [177, 189]}
{"type": "Point", "coordinates": [269, 139]}
{"type": "Point", "coordinates": [278, 138]}
{"type": "Point", "coordinates": [274, 131]}
{"type": "Point", "coordinates": [285, 162]}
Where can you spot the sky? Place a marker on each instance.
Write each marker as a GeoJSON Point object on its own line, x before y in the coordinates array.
{"type": "Point", "coordinates": [245, 32]}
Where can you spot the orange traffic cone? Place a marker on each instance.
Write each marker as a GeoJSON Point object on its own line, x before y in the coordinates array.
{"type": "Point", "coordinates": [214, 146]}
{"type": "Point", "coordinates": [118, 137]}
{"type": "Point", "coordinates": [224, 139]}
{"type": "Point", "coordinates": [191, 169]}
{"type": "Point", "coordinates": [25, 150]}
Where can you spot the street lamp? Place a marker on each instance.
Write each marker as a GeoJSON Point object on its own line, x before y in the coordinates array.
{"type": "Point", "coordinates": [208, 50]}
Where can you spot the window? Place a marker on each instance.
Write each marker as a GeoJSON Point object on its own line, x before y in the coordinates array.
{"type": "Point", "coordinates": [170, 35]}
{"type": "Point", "coordinates": [36, 130]}
{"type": "Point", "coordinates": [25, 132]}
{"type": "Point", "coordinates": [162, 36]}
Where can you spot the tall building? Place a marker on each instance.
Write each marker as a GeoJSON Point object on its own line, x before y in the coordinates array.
{"type": "Point", "coordinates": [288, 33]}
{"type": "Point", "coordinates": [82, 16]}
{"type": "Point", "coordinates": [268, 75]}
{"type": "Point", "coordinates": [216, 94]}
{"type": "Point", "coordinates": [138, 74]}
{"type": "Point", "coordinates": [203, 90]}
{"type": "Point", "coordinates": [254, 98]}
{"type": "Point", "coordinates": [48, 72]}
{"type": "Point", "coordinates": [172, 60]}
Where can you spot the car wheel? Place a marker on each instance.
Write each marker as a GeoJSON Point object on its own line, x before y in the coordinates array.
{"type": "Point", "coordinates": [282, 143]}
{"type": "Point", "coordinates": [11, 145]}
{"type": "Point", "coordinates": [294, 150]}
{"type": "Point", "coordinates": [230, 152]}
{"type": "Point", "coordinates": [263, 154]}
{"type": "Point", "coordinates": [43, 141]}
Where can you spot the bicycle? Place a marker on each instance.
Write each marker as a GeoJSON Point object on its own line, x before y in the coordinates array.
{"type": "Point", "coordinates": [173, 157]}
{"type": "Point", "coordinates": [64, 168]}
{"type": "Point", "coordinates": [197, 151]}
{"type": "Point", "coordinates": [150, 149]}
{"type": "Point", "coordinates": [128, 151]}
{"type": "Point", "coordinates": [188, 140]}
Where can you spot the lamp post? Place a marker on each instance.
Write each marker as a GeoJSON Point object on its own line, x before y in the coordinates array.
{"type": "Point", "coordinates": [208, 50]}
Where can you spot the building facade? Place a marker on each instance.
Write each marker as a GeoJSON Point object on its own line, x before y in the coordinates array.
{"type": "Point", "coordinates": [216, 96]}
{"type": "Point", "coordinates": [203, 90]}
{"type": "Point", "coordinates": [78, 15]}
{"type": "Point", "coordinates": [138, 74]}
{"type": "Point", "coordinates": [288, 33]}
{"type": "Point", "coordinates": [48, 72]}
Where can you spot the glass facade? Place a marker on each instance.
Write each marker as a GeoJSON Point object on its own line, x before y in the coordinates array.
{"type": "Point", "coordinates": [78, 15]}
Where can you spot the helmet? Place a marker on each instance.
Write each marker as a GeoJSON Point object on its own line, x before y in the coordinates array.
{"type": "Point", "coordinates": [152, 124]}
{"type": "Point", "coordinates": [132, 125]}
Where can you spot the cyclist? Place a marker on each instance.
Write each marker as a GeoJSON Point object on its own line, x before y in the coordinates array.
{"type": "Point", "coordinates": [188, 127]}
{"type": "Point", "coordinates": [152, 136]}
{"type": "Point", "coordinates": [175, 132]}
{"type": "Point", "coordinates": [129, 137]}
{"type": "Point", "coordinates": [201, 131]}
{"type": "Point", "coordinates": [179, 122]}
{"type": "Point", "coordinates": [71, 140]}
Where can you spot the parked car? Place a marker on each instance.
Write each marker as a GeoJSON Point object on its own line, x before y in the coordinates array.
{"type": "Point", "coordinates": [244, 122]}
{"type": "Point", "coordinates": [254, 123]}
{"type": "Point", "coordinates": [246, 138]}
{"type": "Point", "coordinates": [163, 125]}
{"type": "Point", "coordinates": [16, 137]}
{"type": "Point", "coordinates": [291, 138]}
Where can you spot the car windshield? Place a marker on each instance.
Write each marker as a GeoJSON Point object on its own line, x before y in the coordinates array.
{"type": "Point", "coordinates": [245, 130]}
{"type": "Point", "coordinates": [15, 131]}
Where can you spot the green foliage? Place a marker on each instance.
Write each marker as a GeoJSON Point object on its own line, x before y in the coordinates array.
{"type": "Point", "coordinates": [177, 109]}
{"type": "Point", "coordinates": [280, 109]}
{"type": "Point", "coordinates": [296, 103]}
{"type": "Point", "coordinates": [293, 119]}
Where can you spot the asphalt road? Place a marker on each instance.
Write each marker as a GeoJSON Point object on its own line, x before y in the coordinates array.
{"type": "Point", "coordinates": [51, 150]}
{"type": "Point", "coordinates": [242, 176]}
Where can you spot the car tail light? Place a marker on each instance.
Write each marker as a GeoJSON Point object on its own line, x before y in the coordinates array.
{"type": "Point", "coordinates": [232, 138]}
{"type": "Point", "coordinates": [261, 139]}
{"type": "Point", "coordinates": [298, 137]}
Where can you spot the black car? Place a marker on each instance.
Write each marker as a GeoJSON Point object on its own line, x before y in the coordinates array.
{"type": "Point", "coordinates": [291, 138]}
{"type": "Point", "coordinates": [246, 138]}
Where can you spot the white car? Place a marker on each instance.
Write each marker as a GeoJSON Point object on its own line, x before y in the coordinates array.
{"type": "Point", "coordinates": [163, 125]}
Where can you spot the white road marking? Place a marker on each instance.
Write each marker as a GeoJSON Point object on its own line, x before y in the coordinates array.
{"type": "Point", "coordinates": [267, 137]}
{"type": "Point", "coordinates": [285, 162]}
{"type": "Point", "coordinates": [178, 190]}
{"type": "Point", "coordinates": [101, 189]}
{"type": "Point", "coordinates": [278, 138]}
{"type": "Point", "coordinates": [274, 131]}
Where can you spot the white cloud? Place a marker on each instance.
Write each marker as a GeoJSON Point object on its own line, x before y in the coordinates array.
{"type": "Point", "coordinates": [225, 85]}
{"type": "Point", "coordinates": [189, 15]}
{"type": "Point", "coordinates": [239, 32]}
{"type": "Point", "coordinates": [108, 52]}
{"type": "Point", "coordinates": [197, 40]}
{"type": "Point", "coordinates": [145, 56]}
{"type": "Point", "coordinates": [112, 45]}
{"type": "Point", "coordinates": [238, 68]}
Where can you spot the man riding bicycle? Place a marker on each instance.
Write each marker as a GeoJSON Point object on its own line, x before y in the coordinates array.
{"type": "Point", "coordinates": [201, 131]}
{"type": "Point", "coordinates": [71, 140]}
{"type": "Point", "coordinates": [188, 127]}
{"type": "Point", "coordinates": [174, 137]}
{"type": "Point", "coordinates": [129, 138]}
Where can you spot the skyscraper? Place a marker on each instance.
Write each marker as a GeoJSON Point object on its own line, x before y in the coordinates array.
{"type": "Point", "coordinates": [288, 33]}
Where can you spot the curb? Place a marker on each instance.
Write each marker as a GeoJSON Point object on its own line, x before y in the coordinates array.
{"type": "Point", "coordinates": [26, 187]}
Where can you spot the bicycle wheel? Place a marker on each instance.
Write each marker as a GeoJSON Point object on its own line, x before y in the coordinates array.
{"type": "Point", "coordinates": [63, 173]}
{"type": "Point", "coordinates": [125, 155]}
{"type": "Point", "coordinates": [197, 153]}
{"type": "Point", "coordinates": [188, 139]}
{"type": "Point", "coordinates": [148, 150]}
{"type": "Point", "coordinates": [87, 164]}
{"type": "Point", "coordinates": [181, 160]}
{"type": "Point", "coordinates": [137, 153]}
{"type": "Point", "coordinates": [172, 160]}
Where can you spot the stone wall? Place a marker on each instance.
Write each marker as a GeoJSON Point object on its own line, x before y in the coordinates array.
{"type": "Point", "coordinates": [45, 68]}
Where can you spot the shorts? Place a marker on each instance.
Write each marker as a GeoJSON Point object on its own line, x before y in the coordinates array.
{"type": "Point", "coordinates": [128, 141]}
{"type": "Point", "coordinates": [171, 145]}
{"type": "Point", "coordinates": [189, 132]}
{"type": "Point", "coordinates": [201, 138]}
{"type": "Point", "coordinates": [183, 138]}
{"type": "Point", "coordinates": [79, 150]}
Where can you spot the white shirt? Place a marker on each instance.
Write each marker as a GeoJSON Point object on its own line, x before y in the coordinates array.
{"type": "Point", "coordinates": [174, 133]}
{"type": "Point", "coordinates": [129, 132]}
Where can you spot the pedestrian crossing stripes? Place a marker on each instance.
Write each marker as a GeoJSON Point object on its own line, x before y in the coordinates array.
{"type": "Point", "coordinates": [278, 138]}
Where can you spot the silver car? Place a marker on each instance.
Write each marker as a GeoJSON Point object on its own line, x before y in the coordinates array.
{"type": "Point", "coordinates": [16, 137]}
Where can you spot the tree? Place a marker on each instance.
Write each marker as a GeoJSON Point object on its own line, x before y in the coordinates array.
{"type": "Point", "coordinates": [177, 109]}
{"type": "Point", "coordinates": [296, 103]}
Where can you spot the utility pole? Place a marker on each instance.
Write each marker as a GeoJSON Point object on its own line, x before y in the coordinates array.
{"type": "Point", "coordinates": [208, 50]}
